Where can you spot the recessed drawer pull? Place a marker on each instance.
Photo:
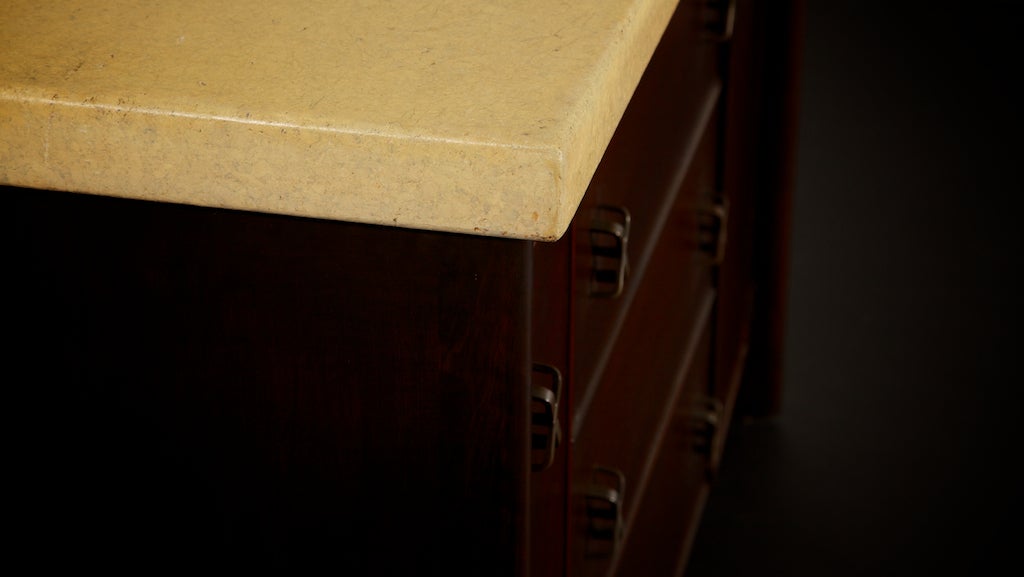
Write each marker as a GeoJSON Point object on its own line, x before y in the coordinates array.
{"type": "Point", "coordinates": [706, 416]}
{"type": "Point", "coordinates": [609, 240]}
{"type": "Point", "coordinates": [713, 225]}
{"type": "Point", "coordinates": [546, 431]}
{"type": "Point", "coordinates": [604, 512]}
{"type": "Point", "coordinates": [721, 19]}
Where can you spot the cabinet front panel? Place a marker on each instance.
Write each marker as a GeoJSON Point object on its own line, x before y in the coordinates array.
{"type": "Point", "coordinates": [652, 151]}
{"type": "Point", "coordinates": [645, 373]}
{"type": "Point", "coordinates": [663, 527]}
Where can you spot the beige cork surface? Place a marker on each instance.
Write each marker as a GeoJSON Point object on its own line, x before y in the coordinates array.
{"type": "Point", "coordinates": [464, 116]}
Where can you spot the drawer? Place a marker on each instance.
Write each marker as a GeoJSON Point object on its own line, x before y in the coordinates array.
{"type": "Point", "coordinates": [657, 145]}
{"type": "Point", "coordinates": [662, 529]}
{"type": "Point", "coordinates": [643, 382]}
{"type": "Point", "coordinates": [599, 320]}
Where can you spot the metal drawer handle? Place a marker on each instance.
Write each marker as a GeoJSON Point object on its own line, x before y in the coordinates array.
{"type": "Point", "coordinates": [706, 417]}
{"type": "Point", "coordinates": [609, 240]}
{"type": "Point", "coordinates": [604, 512]}
{"type": "Point", "coordinates": [713, 225]}
{"type": "Point", "coordinates": [546, 431]}
{"type": "Point", "coordinates": [721, 20]}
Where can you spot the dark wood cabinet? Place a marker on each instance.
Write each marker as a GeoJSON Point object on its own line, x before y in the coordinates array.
{"type": "Point", "coordinates": [699, 164]}
{"type": "Point", "coordinates": [243, 390]}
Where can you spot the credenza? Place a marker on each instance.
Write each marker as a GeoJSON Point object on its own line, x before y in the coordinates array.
{"type": "Point", "coordinates": [246, 388]}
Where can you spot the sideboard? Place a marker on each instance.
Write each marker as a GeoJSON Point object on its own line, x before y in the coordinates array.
{"type": "Point", "coordinates": [360, 352]}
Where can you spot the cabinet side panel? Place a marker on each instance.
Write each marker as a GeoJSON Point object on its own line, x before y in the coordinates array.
{"type": "Point", "coordinates": [254, 391]}
{"type": "Point", "coordinates": [763, 109]}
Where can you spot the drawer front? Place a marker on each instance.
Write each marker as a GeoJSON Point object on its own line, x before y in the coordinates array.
{"type": "Point", "coordinates": [680, 230]}
{"type": "Point", "coordinates": [664, 524]}
{"type": "Point", "coordinates": [656, 146]}
{"type": "Point", "coordinates": [630, 415]}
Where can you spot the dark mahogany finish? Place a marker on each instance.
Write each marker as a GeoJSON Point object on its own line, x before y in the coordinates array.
{"type": "Point", "coordinates": [212, 388]}
{"type": "Point", "coordinates": [759, 159]}
{"type": "Point", "coordinates": [252, 390]}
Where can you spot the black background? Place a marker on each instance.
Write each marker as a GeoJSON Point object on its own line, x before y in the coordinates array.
{"type": "Point", "coordinates": [897, 451]}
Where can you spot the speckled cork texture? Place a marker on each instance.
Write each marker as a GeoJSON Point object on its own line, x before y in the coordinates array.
{"type": "Point", "coordinates": [464, 116]}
